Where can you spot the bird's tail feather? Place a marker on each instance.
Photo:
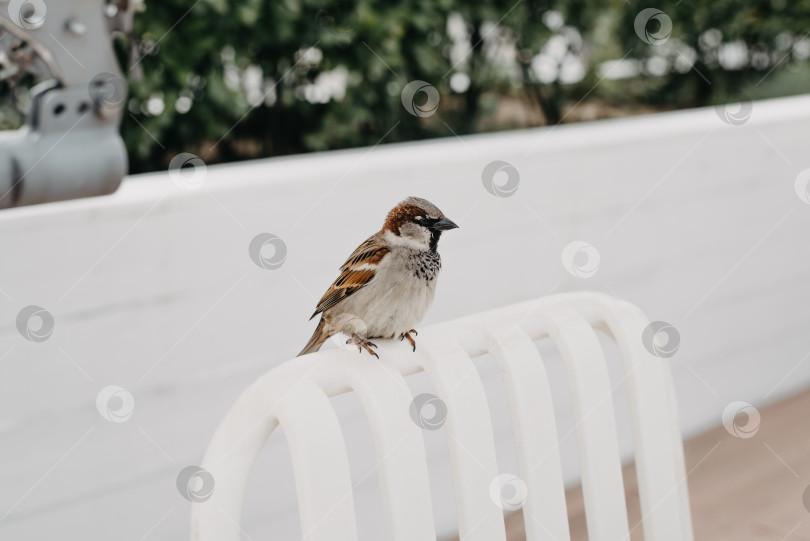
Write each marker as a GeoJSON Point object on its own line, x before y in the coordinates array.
{"type": "Point", "coordinates": [318, 337]}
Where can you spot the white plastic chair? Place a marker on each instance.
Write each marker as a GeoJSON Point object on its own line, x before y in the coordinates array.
{"type": "Point", "coordinates": [296, 395]}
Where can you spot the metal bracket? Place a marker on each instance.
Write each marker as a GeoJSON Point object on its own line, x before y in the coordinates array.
{"type": "Point", "coordinates": [70, 146]}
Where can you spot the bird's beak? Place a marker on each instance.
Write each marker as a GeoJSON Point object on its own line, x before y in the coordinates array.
{"type": "Point", "coordinates": [444, 224]}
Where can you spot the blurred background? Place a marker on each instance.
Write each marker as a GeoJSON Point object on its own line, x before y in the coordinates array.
{"type": "Point", "coordinates": [656, 153]}
{"type": "Point", "coordinates": [231, 81]}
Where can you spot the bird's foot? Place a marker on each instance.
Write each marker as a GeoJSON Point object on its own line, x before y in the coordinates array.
{"type": "Point", "coordinates": [409, 337]}
{"type": "Point", "coordinates": [362, 344]}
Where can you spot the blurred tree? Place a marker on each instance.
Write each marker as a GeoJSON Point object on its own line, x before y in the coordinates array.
{"type": "Point", "coordinates": [233, 80]}
{"type": "Point", "coordinates": [230, 80]}
{"type": "Point", "coordinates": [710, 53]}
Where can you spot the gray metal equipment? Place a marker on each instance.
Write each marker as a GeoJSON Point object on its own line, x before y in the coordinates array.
{"type": "Point", "coordinates": [70, 146]}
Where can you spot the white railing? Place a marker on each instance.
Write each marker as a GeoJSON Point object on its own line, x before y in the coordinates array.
{"type": "Point", "coordinates": [295, 395]}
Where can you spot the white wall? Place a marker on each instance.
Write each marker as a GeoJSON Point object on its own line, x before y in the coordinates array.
{"type": "Point", "coordinates": [152, 289]}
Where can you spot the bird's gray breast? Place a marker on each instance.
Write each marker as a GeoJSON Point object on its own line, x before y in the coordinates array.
{"type": "Point", "coordinates": [424, 265]}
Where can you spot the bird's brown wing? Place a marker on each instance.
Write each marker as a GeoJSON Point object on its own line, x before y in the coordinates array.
{"type": "Point", "coordinates": [358, 270]}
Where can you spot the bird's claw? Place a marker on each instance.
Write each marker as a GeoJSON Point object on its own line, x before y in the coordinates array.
{"type": "Point", "coordinates": [409, 337]}
{"type": "Point", "coordinates": [362, 344]}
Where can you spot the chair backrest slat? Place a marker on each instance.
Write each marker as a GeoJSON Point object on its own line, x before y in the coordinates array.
{"type": "Point", "coordinates": [536, 441]}
{"type": "Point", "coordinates": [399, 449]}
{"type": "Point", "coordinates": [656, 432]}
{"type": "Point", "coordinates": [320, 464]}
{"type": "Point", "coordinates": [595, 425]}
{"type": "Point", "coordinates": [470, 441]}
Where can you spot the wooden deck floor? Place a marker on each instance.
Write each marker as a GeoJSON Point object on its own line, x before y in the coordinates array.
{"type": "Point", "coordinates": [740, 489]}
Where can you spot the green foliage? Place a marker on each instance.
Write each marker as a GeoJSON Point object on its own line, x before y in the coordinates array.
{"type": "Point", "coordinates": [739, 50]}
{"type": "Point", "coordinates": [237, 79]}
{"type": "Point", "coordinates": [248, 69]}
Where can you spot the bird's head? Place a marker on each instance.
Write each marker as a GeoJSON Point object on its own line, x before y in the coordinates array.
{"type": "Point", "coordinates": [416, 223]}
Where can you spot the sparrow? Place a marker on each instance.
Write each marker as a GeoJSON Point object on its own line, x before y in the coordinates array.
{"type": "Point", "coordinates": [388, 283]}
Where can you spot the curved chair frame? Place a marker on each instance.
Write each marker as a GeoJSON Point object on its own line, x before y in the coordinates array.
{"type": "Point", "coordinates": [296, 396]}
